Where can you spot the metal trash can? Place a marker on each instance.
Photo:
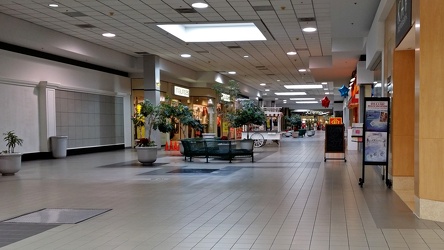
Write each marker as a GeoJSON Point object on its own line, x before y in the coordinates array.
{"type": "Point", "coordinates": [59, 145]}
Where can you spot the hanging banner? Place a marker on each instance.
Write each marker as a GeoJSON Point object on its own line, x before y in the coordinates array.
{"type": "Point", "coordinates": [376, 131]}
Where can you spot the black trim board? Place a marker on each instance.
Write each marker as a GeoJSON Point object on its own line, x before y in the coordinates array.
{"type": "Point", "coordinates": [61, 59]}
{"type": "Point", "coordinates": [69, 152]}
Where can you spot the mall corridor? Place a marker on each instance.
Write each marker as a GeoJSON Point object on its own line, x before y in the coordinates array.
{"type": "Point", "coordinates": [289, 198]}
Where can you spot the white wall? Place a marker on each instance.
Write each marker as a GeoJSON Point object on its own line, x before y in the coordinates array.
{"type": "Point", "coordinates": [19, 76]}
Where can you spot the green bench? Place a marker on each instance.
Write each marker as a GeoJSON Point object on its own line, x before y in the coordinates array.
{"type": "Point", "coordinates": [222, 149]}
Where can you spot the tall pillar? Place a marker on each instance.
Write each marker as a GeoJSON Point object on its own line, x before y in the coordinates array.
{"type": "Point", "coordinates": [429, 113]}
{"type": "Point", "coordinates": [151, 86]}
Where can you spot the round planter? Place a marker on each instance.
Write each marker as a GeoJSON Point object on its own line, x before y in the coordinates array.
{"type": "Point", "coordinates": [10, 163]}
{"type": "Point", "coordinates": [146, 155]}
{"type": "Point", "coordinates": [246, 144]}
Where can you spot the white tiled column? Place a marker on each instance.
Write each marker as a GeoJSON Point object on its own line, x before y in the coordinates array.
{"type": "Point", "coordinates": [47, 115]}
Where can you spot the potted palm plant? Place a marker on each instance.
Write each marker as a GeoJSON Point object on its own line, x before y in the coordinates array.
{"type": "Point", "coordinates": [10, 161]}
{"type": "Point", "coordinates": [153, 117]}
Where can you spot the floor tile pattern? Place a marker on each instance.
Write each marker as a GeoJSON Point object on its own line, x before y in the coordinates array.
{"type": "Point", "coordinates": [289, 198]}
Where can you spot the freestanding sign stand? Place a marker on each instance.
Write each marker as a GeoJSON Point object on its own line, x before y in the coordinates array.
{"type": "Point", "coordinates": [376, 135]}
{"type": "Point", "coordinates": [334, 141]}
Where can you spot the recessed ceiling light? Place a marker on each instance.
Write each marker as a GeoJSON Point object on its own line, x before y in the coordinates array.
{"type": "Point", "coordinates": [309, 29]}
{"type": "Point", "coordinates": [327, 93]}
{"type": "Point", "coordinates": [323, 83]}
{"type": "Point", "coordinates": [53, 5]}
{"type": "Point", "coordinates": [108, 35]}
{"type": "Point", "coordinates": [290, 93]}
{"type": "Point", "coordinates": [263, 84]}
{"type": "Point", "coordinates": [232, 72]}
{"type": "Point", "coordinates": [326, 89]}
{"type": "Point", "coordinates": [306, 102]}
{"type": "Point", "coordinates": [265, 93]}
{"type": "Point", "coordinates": [199, 5]}
{"type": "Point", "coordinates": [267, 89]}
{"type": "Point", "coordinates": [278, 80]}
{"type": "Point", "coordinates": [303, 86]}
{"type": "Point", "coordinates": [302, 70]}
{"type": "Point", "coordinates": [291, 53]}
{"type": "Point", "coordinates": [185, 55]}
{"type": "Point", "coordinates": [246, 56]}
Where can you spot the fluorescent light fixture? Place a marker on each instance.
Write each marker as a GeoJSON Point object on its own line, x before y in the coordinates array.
{"type": "Point", "coordinates": [215, 32]}
{"type": "Point", "coordinates": [309, 29]}
{"type": "Point", "coordinates": [323, 83]}
{"type": "Point", "coordinates": [291, 53]}
{"type": "Point", "coordinates": [290, 93]}
{"type": "Point", "coordinates": [232, 72]}
{"type": "Point", "coordinates": [326, 89]}
{"type": "Point", "coordinates": [327, 93]}
{"type": "Point", "coordinates": [276, 98]}
{"type": "Point", "coordinates": [185, 55]}
{"type": "Point", "coordinates": [303, 86]}
{"type": "Point", "coordinates": [53, 5]}
{"type": "Point", "coordinates": [302, 70]}
{"type": "Point", "coordinates": [108, 35]}
{"type": "Point", "coordinates": [263, 84]}
{"type": "Point", "coordinates": [267, 90]}
{"type": "Point", "coordinates": [303, 99]}
{"type": "Point", "coordinates": [306, 102]}
{"type": "Point", "coordinates": [199, 5]}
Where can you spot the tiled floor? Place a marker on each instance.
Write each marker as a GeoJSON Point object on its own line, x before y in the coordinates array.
{"type": "Point", "coordinates": [287, 199]}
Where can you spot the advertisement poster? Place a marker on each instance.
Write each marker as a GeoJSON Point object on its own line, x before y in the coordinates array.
{"type": "Point", "coordinates": [376, 116]}
{"type": "Point", "coordinates": [375, 146]}
{"type": "Point", "coordinates": [376, 131]}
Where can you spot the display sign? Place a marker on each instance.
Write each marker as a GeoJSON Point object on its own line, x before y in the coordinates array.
{"type": "Point", "coordinates": [357, 130]}
{"type": "Point", "coordinates": [403, 19]}
{"type": "Point", "coordinates": [335, 120]}
{"type": "Point", "coordinates": [376, 130]}
{"type": "Point", "coordinates": [225, 97]}
{"type": "Point", "coordinates": [181, 91]}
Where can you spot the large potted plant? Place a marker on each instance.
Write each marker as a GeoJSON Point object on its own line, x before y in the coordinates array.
{"type": "Point", "coordinates": [247, 114]}
{"type": "Point", "coordinates": [153, 117]}
{"type": "Point", "coordinates": [227, 94]}
{"type": "Point", "coordinates": [10, 161]}
{"type": "Point", "coordinates": [296, 122]}
{"type": "Point", "coordinates": [182, 114]}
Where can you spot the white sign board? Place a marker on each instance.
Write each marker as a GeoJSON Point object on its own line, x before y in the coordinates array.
{"type": "Point", "coordinates": [181, 91]}
{"type": "Point", "coordinates": [225, 97]}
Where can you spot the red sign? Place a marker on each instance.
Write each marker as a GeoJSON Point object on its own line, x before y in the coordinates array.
{"type": "Point", "coordinates": [335, 120]}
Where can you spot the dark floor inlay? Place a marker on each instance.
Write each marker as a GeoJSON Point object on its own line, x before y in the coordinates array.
{"type": "Point", "coordinates": [192, 171]}
{"type": "Point", "coordinates": [57, 216]}
{"type": "Point", "coordinates": [14, 232]}
{"type": "Point", "coordinates": [131, 164]}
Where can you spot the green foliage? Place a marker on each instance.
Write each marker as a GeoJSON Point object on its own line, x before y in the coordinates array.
{"type": "Point", "coordinates": [247, 114]}
{"type": "Point", "coordinates": [162, 117]}
{"type": "Point", "coordinates": [231, 88]}
{"type": "Point", "coordinates": [12, 140]}
{"type": "Point", "coordinates": [295, 120]}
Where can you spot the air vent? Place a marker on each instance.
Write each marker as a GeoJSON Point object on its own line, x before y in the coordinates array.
{"type": "Point", "coordinates": [307, 19]}
{"type": "Point", "coordinates": [85, 26]}
{"type": "Point", "coordinates": [263, 8]}
{"type": "Point", "coordinates": [234, 47]}
{"type": "Point", "coordinates": [261, 67]}
{"type": "Point", "coordinates": [74, 14]}
{"type": "Point", "coordinates": [142, 53]}
{"type": "Point", "coordinates": [270, 74]}
{"type": "Point", "coordinates": [202, 52]}
{"type": "Point", "coordinates": [185, 10]}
